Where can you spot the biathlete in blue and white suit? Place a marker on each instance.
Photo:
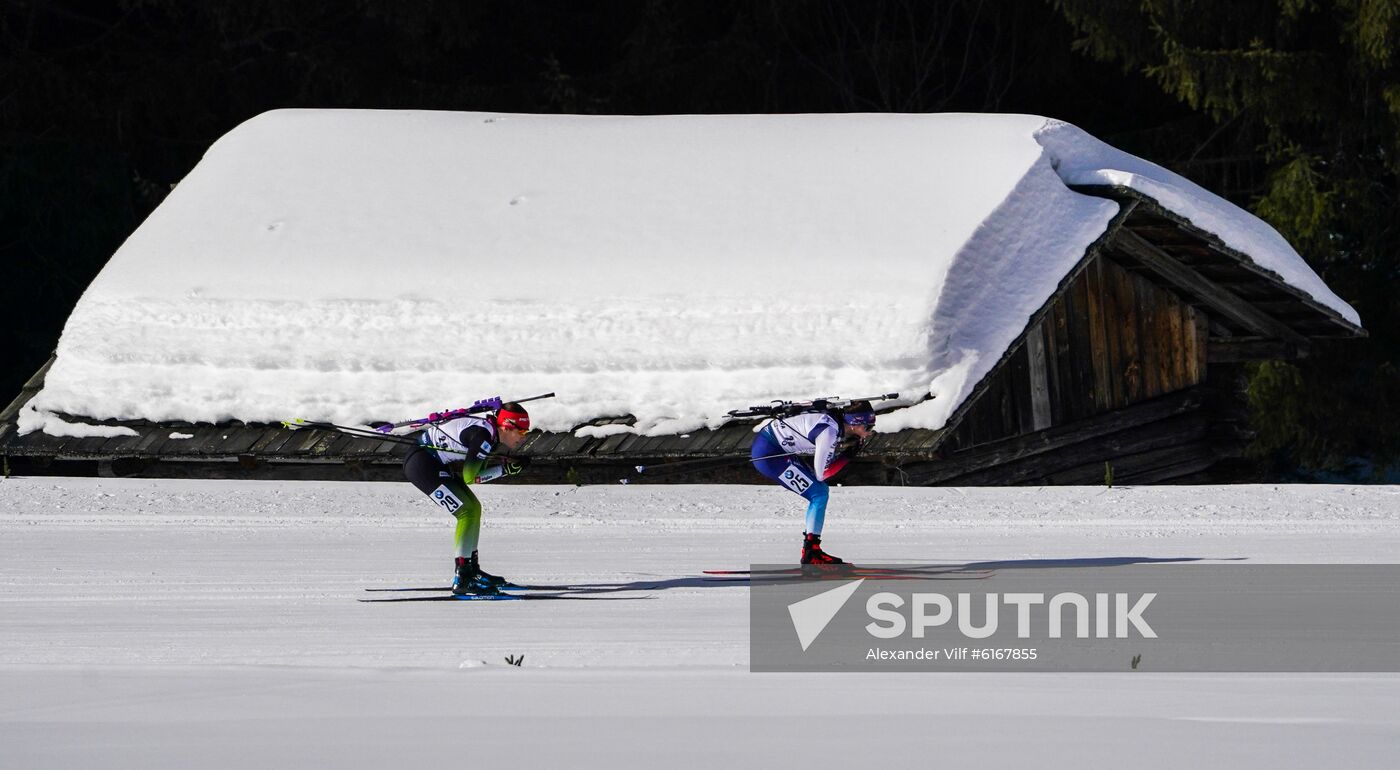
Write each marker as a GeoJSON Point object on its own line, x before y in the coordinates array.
{"type": "Point", "coordinates": [782, 446]}
{"type": "Point", "coordinates": [453, 456]}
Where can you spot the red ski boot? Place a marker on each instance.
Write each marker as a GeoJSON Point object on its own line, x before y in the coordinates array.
{"type": "Point", "coordinates": [813, 557]}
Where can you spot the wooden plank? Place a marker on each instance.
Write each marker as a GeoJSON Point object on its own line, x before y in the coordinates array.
{"type": "Point", "coordinates": [271, 440]}
{"type": "Point", "coordinates": [631, 445]}
{"type": "Point", "coordinates": [123, 445]}
{"type": "Point", "coordinates": [1006, 406]}
{"type": "Point", "coordinates": [1082, 348]}
{"type": "Point", "coordinates": [1240, 349]}
{"type": "Point", "coordinates": [1052, 369]}
{"type": "Point", "coordinates": [39, 442]}
{"type": "Point", "coordinates": [545, 444]}
{"type": "Point", "coordinates": [1163, 343]}
{"type": "Point", "coordinates": [370, 448]}
{"type": "Point", "coordinates": [241, 439]}
{"type": "Point", "coordinates": [909, 443]}
{"type": "Point", "coordinates": [986, 413]}
{"type": "Point", "coordinates": [1146, 467]}
{"type": "Point", "coordinates": [338, 447]}
{"type": "Point", "coordinates": [1091, 454]}
{"type": "Point", "coordinates": [1056, 438]}
{"type": "Point", "coordinates": [200, 435]}
{"type": "Point", "coordinates": [709, 439]}
{"type": "Point", "coordinates": [729, 437]}
{"type": "Point", "coordinates": [734, 444]}
{"type": "Point", "coordinates": [1098, 335]}
{"type": "Point", "coordinates": [1148, 210]}
{"type": "Point", "coordinates": [1286, 307]}
{"type": "Point", "coordinates": [1166, 329]}
{"type": "Point", "coordinates": [86, 445]}
{"type": "Point", "coordinates": [151, 441]}
{"type": "Point", "coordinates": [1197, 285]}
{"type": "Point", "coordinates": [1201, 322]}
{"type": "Point", "coordinates": [1112, 328]}
{"type": "Point", "coordinates": [1062, 399]}
{"type": "Point", "coordinates": [976, 418]}
{"type": "Point", "coordinates": [1130, 355]}
{"type": "Point", "coordinates": [609, 445]}
{"type": "Point", "coordinates": [1190, 361]}
{"type": "Point", "coordinates": [1040, 389]}
{"type": "Point", "coordinates": [1148, 354]}
{"type": "Point", "coordinates": [571, 446]}
{"type": "Point", "coordinates": [650, 447]}
{"type": "Point", "coordinates": [213, 441]}
{"type": "Point", "coordinates": [1070, 399]}
{"type": "Point", "coordinates": [303, 441]}
{"type": "Point", "coordinates": [1193, 344]}
{"type": "Point", "coordinates": [1019, 379]}
{"type": "Point", "coordinates": [1176, 344]}
{"type": "Point", "coordinates": [323, 445]}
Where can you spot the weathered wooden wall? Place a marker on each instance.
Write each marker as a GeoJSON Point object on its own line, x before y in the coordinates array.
{"type": "Point", "coordinates": [1112, 339]}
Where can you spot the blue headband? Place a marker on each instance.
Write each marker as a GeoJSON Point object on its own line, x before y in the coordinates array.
{"type": "Point", "coordinates": [859, 418]}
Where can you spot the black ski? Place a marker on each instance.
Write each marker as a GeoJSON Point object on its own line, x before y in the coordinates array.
{"type": "Point", "coordinates": [498, 598]}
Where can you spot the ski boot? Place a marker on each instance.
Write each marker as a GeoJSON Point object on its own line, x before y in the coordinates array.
{"type": "Point", "coordinates": [495, 580]}
{"type": "Point", "coordinates": [470, 581]}
{"type": "Point", "coordinates": [814, 559]}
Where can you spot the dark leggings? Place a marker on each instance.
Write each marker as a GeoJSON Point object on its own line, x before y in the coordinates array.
{"type": "Point", "coordinates": [433, 478]}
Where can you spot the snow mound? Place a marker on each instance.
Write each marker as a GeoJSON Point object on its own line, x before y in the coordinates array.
{"type": "Point", "coordinates": [361, 265]}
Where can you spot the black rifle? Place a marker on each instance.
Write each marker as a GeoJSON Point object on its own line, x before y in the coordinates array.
{"type": "Point", "coordinates": [780, 409]}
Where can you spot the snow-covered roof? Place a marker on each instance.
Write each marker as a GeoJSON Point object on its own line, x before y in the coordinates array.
{"type": "Point", "coordinates": [354, 265]}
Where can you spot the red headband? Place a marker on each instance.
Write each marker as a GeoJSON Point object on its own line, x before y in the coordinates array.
{"type": "Point", "coordinates": [513, 420]}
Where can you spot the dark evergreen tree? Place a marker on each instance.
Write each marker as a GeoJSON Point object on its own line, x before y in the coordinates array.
{"type": "Point", "coordinates": [1305, 95]}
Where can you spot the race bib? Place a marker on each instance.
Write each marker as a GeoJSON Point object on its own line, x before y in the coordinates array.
{"type": "Point", "coordinates": [444, 497]}
{"type": "Point", "coordinates": [793, 478]}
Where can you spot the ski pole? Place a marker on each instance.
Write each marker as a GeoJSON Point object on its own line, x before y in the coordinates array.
{"type": "Point", "coordinates": [718, 462]}
{"type": "Point", "coordinates": [349, 430]}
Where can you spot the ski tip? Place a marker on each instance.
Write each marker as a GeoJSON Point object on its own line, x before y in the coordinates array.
{"type": "Point", "coordinates": [294, 423]}
{"type": "Point", "coordinates": [641, 468]}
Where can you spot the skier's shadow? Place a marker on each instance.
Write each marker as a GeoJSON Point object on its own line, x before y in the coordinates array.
{"type": "Point", "coordinates": [937, 571]}
{"type": "Point", "coordinates": [1102, 561]}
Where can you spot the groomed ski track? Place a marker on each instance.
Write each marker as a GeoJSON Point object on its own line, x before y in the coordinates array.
{"type": "Point", "coordinates": [152, 624]}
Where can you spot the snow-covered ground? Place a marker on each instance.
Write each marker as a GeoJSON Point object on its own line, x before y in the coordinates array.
{"type": "Point", "coordinates": [214, 624]}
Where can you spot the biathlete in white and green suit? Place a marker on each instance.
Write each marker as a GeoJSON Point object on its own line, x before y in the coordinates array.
{"type": "Point", "coordinates": [456, 454]}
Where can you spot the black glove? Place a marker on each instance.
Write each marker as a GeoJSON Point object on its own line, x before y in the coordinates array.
{"type": "Point", "coordinates": [514, 465]}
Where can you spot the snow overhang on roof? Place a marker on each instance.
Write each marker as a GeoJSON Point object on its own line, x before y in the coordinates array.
{"type": "Point", "coordinates": [358, 265]}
